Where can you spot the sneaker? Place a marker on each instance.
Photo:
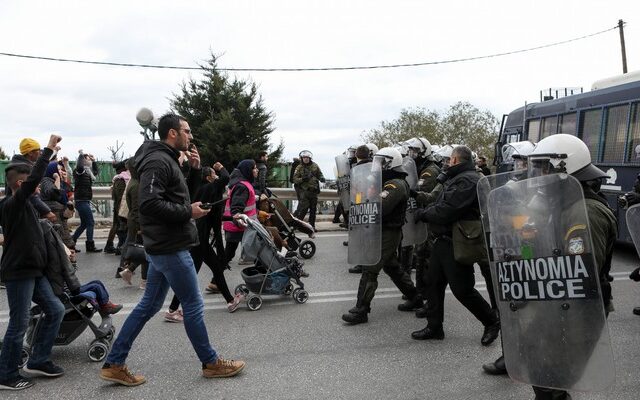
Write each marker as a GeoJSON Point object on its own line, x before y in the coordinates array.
{"type": "Point", "coordinates": [126, 275]}
{"type": "Point", "coordinates": [143, 284]}
{"type": "Point", "coordinates": [18, 383]}
{"type": "Point", "coordinates": [48, 369]}
{"type": "Point", "coordinates": [110, 308]}
{"type": "Point", "coordinates": [120, 374]}
{"type": "Point", "coordinates": [222, 368]}
{"type": "Point", "coordinates": [212, 288]}
{"type": "Point", "coordinates": [175, 316]}
{"type": "Point", "coordinates": [235, 303]}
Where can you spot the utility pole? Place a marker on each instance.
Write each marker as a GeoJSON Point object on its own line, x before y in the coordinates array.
{"type": "Point", "coordinates": [624, 51]}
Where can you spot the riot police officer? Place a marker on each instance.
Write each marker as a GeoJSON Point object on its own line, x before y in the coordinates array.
{"type": "Point", "coordinates": [307, 177]}
{"type": "Point", "coordinates": [394, 195]}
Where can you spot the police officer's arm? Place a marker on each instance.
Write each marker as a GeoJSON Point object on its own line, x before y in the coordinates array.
{"type": "Point", "coordinates": [153, 185]}
{"type": "Point", "coordinates": [319, 174]}
{"type": "Point", "coordinates": [428, 178]}
{"type": "Point", "coordinates": [391, 196]}
{"type": "Point", "coordinates": [424, 199]}
{"type": "Point", "coordinates": [455, 199]}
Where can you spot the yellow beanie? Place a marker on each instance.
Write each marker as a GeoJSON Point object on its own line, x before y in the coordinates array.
{"type": "Point", "coordinates": [27, 145]}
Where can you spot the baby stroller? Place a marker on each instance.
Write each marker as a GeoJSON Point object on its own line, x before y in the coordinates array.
{"type": "Point", "coordinates": [271, 273]}
{"type": "Point", "coordinates": [287, 225]}
{"type": "Point", "coordinates": [79, 311]}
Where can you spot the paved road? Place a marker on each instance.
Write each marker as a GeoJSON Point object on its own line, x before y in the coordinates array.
{"type": "Point", "coordinates": [306, 352]}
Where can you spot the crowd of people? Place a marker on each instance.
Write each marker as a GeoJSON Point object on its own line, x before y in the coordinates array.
{"type": "Point", "coordinates": [159, 192]}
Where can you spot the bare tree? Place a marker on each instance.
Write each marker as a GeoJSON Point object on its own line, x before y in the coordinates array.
{"type": "Point", "coordinates": [116, 154]}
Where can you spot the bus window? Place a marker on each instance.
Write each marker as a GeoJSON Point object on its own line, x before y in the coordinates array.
{"type": "Point", "coordinates": [615, 134]}
{"type": "Point", "coordinates": [549, 126]}
{"type": "Point", "coordinates": [590, 131]}
{"type": "Point", "coordinates": [533, 130]}
{"type": "Point", "coordinates": [568, 124]}
{"type": "Point", "coordinates": [633, 152]}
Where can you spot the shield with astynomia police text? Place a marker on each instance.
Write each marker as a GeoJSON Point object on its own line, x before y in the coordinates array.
{"type": "Point", "coordinates": [365, 215]}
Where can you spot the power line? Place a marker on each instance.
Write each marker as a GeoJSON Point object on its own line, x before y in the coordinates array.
{"type": "Point", "coordinates": [420, 64]}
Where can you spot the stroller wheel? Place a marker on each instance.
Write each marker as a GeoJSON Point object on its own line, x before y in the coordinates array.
{"type": "Point", "coordinates": [98, 350]}
{"type": "Point", "coordinates": [288, 289]}
{"type": "Point", "coordinates": [300, 296]}
{"type": "Point", "coordinates": [254, 302]}
{"type": "Point", "coordinates": [241, 289]}
{"type": "Point", "coordinates": [307, 249]}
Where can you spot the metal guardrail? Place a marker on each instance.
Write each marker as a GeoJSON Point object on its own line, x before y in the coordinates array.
{"type": "Point", "coordinates": [104, 193]}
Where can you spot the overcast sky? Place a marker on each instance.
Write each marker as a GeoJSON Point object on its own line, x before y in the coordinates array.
{"type": "Point", "coordinates": [325, 112]}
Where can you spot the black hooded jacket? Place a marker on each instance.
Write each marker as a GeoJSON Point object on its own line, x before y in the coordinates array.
{"type": "Point", "coordinates": [164, 201]}
{"type": "Point", "coordinates": [457, 201]}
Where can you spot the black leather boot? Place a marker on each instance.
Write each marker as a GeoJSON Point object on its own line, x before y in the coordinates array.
{"type": "Point", "coordinates": [356, 269]}
{"type": "Point", "coordinates": [91, 247]}
{"type": "Point", "coordinates": [429, 333]}
{"type": "Point", "coordinates": [359, 317]}
{"type": "Point", "coordinates": [496, 368]}
{"type": "Point", "coordinates": [411, 304]}
{"type": "Point", "coordinates": [109, 248]}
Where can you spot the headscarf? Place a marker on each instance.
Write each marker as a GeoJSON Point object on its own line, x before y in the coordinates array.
{"type": "Point", "coordinates": [246, 169]}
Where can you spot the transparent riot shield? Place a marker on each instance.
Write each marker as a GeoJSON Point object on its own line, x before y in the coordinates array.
{"type": "Point", "coordinates": [365, 213]}
{"type": "Point", "coordinates": [413, 232]}
{"type": "Point", "coordinates": [554, 330]}
{"type": "Point", "coordinates": [633, 224]}
{"type": "Point", "coordinates": [343, 178]}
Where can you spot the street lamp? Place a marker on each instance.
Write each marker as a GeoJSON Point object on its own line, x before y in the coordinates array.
{"type": "Point", "coordinates": [148, 122]}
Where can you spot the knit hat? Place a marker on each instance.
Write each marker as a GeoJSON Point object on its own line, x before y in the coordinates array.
{"type": "Point", "coordinates": [246, 169]}
{"type": "Point", "coordinates": [27, 145]}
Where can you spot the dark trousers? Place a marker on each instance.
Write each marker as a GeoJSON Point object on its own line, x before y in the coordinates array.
{"type": "Point", "coordinates": [443, 270]}
{"type": "Point", "coordinates": [486, 274]}
{"type": "Point", "coordinates": [307, 201]}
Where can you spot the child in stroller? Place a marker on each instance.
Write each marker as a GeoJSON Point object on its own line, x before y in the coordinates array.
{"type": "Point", "coordinates": [286, 224]}
{"type": "Point", "coordinates": [271, 273]}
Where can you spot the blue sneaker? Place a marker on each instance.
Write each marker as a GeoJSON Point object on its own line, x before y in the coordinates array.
{"type": "Point", "coordinates": [47, 369]}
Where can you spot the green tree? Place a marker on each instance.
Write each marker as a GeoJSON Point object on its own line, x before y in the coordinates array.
{"type": "Point", "coordinates": [227, 117]}
{"type": "Point", "coordinates": [3, 155]}
{"type": "Point", "coordinates": [462, 123]}
{"type": "Point", "coordinates": [466, 124]}
{"type": "Point", "coordinates": [412, 122]}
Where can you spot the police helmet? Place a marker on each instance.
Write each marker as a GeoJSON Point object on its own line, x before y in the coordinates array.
{"type": "Point", "coordinates": [516, 153]}
{"type": "Point", "coordinates": [418, 147]}
{"type": "Point", "coordinates": [402, 148]}
{"type": "Point", "coordinates": [306, 153]}
{"type": "Point", "coordinates": [388, 158]}
{"type": "Point", "coordinates": [563, 153]}
{"type": "Point", "coordinates": [373, 149]}
{"type": "Point", "coordinates": [351, 151]}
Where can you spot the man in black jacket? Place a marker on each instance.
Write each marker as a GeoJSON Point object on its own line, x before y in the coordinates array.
{"type": "Point", "coordinates": [22, 270]}
{"type": "Point", "coordinates": [168, 230]}
{"type": "Point", "coordinates": [260, 184]}
{"type": "Point", "coordinates": [457, 201]}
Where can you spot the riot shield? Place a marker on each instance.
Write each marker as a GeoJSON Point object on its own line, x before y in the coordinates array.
{"type": "Point", "coordinates": [413, 232]}
{"type": "Point", "coordinates": [343, 169]}
{"type": "Point", "coordinates": [365, 215]}
{"type": "Point", "coordinates": [554, 330]}
{"type": "Point", "coordinates": [633, 224]}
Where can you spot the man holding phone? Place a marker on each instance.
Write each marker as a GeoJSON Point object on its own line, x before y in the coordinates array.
{"type": "Point", "coordinates": [168, 229]}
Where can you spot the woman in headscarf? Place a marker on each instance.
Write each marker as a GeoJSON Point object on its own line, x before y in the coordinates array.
{"type": "Point", "coordinates": [53, 191]}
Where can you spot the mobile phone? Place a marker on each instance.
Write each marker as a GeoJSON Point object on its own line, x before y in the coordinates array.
{"type": "Point", "coordinates": [206, 206]}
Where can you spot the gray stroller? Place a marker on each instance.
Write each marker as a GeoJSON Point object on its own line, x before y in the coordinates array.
{"type": "Point", "coordinates": [272, 273]}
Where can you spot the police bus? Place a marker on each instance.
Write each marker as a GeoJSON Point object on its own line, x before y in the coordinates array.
{"type": "Point", "coordinates": [607, 119]}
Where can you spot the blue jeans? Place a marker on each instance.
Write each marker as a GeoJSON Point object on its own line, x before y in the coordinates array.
{"type": "Point", "coordinates": [86, 220]}
{"type": "Point", "coordinates": [19, 295]}
{"type": "Point", "coordinates": [175, 270]}
{"type": "Point", "coordinates": [96, 291]}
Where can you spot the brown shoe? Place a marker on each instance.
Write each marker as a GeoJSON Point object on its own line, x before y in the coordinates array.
{"type": "Point", "coordinates": [222, 368]}
{"type": "Point", "coordinates": [120, 374]}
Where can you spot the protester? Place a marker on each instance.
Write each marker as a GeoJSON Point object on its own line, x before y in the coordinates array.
{"type": "Point", "coordinates": [166, 215]}
{"type": "Point", "coordinates": [83, 176]}
{"type": "Point", "coordinates": [24, 260]}
{"type": "Point", "coordinates": [118, 224]}
{"type": "Point", "coordinates": [54, 192]}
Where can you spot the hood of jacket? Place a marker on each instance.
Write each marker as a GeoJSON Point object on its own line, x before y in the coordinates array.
{"type": "Point", "coordinates": [144, 154]}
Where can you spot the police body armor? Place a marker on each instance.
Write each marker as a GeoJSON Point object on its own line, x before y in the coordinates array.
{"type": "Point", "coordinates": [365, 215]}
{"type": "Point", "coordinates": [343, 169]}
{"type": "Point", "coordinates": [413, 232]}
{"type": "Point", "coordinates": [554, 329]}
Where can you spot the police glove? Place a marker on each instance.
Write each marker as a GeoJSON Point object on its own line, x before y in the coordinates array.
{"type": "Point", "coordinates": [420, 215]}
{"type": "Point", "coordinates": [442, 178]}
{"type": "Point", "coordinates": [622, 201]}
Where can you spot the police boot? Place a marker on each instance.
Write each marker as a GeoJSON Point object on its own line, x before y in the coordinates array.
{"type": "Point", "coordinates": [356, 269]}
{"type": "Point", "coordinates": [91, 247]}
{"type": "Point", "coordinates": [361, 289]}
{"type": "Point", "coordinates": [497, 367]}
{"type": "Point", "coordinates": [412, 304]}
{"type": "Point", "coordinates": [358, 317]}
{"type": "Point", "coordinates": [109, 248]}
{"type": "Point", "coordinates": [430, 332]}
